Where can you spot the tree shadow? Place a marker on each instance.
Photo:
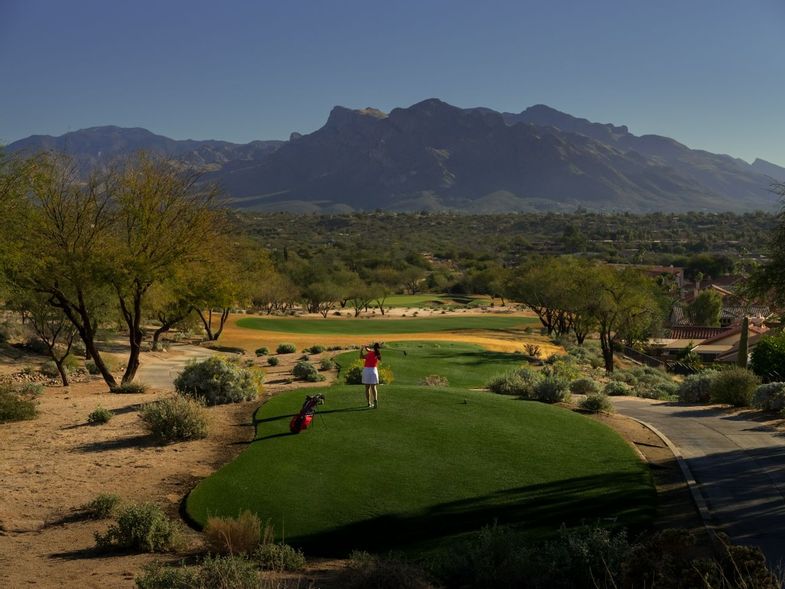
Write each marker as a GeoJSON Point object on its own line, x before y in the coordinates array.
{"type": "Point", "coordinates": [139, 441]}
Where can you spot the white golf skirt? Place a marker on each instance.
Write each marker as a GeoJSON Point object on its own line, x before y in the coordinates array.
{"type": "Point", "coordinates": [370, 376]}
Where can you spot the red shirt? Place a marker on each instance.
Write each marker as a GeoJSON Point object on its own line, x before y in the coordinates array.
{"type": "Point", "coordinates": [371, 361]}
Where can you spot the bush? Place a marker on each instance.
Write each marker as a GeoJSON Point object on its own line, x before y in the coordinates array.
{"type": "Point", "coordinates": [326, 364]}
{"type": "Point", "coordinates": [158, 575]}
{"type": "Point", "coordinates": [561, 367]}
{"type": "Point", "coordinates": [273, 361]}
{"type": "Point", "coordinates": [71, 363]}
{"type": "Point", "coordinates": [768, 357]}
{"type": "Point", "coordinates": [16, 404]}
{"type": "Point", "coordinates": [435, 380]}
{"type": "Point", "coordinates": [228, 535]}
{"type": "Point", "coordinates": [175, 419]}
{"type": "Point", "coordinates": [263, 351]}
{"type": "Point", "coordinates": [228, 572]}
{"type": "Point", "coordinates": [365, 571]}
{"type": "Point", "coordinates": [142, 526]}
{"type": "Point", "coordinates": [624, 376]}
{"type": "Point", "coordinates": [316, 349]}
{"type": "Point", "coordinates": [734, 387]}
{"type": "Point", "coordinates": [596, 402]}
{"type": "Point", "coordinates": [584, 386]}
{"type": "Point", "coordinates": [354, 374]}
{"type": "Point", "coordinates": [102, 507]}
{"type": "Point", "coordinates": [696, 388]}
{"type": "Point", "coordinates": [770, 397]}
{"type": "Point", "coordinates": [218, 381]}
{"type": "Point", "coordinates": [49, 369]}
{"type": "Point", "coordinates": [279, 557]}
{"type": "Point", "coordinates": [616, 389]}
{"type": "Point", "coordinates": [306, 371]}
{"type": "Point", "coordinates": [129, 388]}
{"type": "Point", "coordinates": [286, 349]}
{"type": "Point", "coordinates": [662, 391]}
{"type": "Point", "coordinates": [520, 382]}
{"type": "Point", "coordinates": [99, 416]}
{"type": "Point", "coordinates": [551, 389]}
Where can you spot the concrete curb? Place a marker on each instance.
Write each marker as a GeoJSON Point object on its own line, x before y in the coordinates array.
{"type": "Point", "coordinates": [692, 484]}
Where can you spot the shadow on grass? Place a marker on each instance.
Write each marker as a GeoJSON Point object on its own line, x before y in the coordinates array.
{"type": "Point", "coordinates": [538, 509]}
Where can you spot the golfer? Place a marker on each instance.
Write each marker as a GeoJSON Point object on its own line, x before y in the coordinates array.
{"type": "Point", "coordinates": [372, 356]}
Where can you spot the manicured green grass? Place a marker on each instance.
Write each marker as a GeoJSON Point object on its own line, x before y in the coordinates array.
{"type": "Point", "coordinates": [463, 365]}
{"type": "Point", "coordinates": [434, 300]}
{"type": "Point", "coordinates": [429, 465]}
{"type": "Point", "coordinates": [381, 327]}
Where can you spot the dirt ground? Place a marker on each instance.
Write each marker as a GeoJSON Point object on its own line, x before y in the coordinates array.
{"type": "Point", "coordinates": [51, 466]}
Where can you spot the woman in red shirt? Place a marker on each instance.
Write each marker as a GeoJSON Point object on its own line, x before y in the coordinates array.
{"type": "Point", "coordinates": [372, 356]}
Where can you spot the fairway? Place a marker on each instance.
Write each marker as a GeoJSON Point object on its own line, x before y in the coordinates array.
{"type": "Point", "coordinates": [434, 300]}
{"type": "Point", "coordinates": [429, 465]}
{"type": "Point", "coordinates": [385, 326]}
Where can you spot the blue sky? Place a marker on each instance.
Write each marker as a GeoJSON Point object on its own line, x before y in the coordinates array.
{"type": "Point", "coordinates": [709, 73]}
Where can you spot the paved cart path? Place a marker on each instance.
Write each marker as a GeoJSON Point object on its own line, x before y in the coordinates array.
{"type": "Point", "coordinates": [738, 463]}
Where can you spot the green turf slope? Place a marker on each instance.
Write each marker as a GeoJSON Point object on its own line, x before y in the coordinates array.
{"type": "Point", "coordinates": [426, 467]}
{"type": "Point", "coordinates": [376, 327]}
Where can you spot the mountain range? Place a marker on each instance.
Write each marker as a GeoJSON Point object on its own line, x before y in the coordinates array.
{"type": "Point", "coordinates": [435, 156]}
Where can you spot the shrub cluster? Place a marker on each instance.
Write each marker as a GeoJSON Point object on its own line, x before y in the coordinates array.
{"type": "Point", "coordinates": [616, 388]}
{"type": "Point", "coordinates": [175, 419]}
{"type": "Point", "coordinates": [217, 381]}
{"type": "Point", "coordinates": [391, 572]}
{"type": "Point", "coordinates": [129, 388]}
{"type": "Point", "coordinates": [279, 557]}
{"type": "Point", "coordinates": [110, 363]}
{"type": "Point", "coordinates": [552, 389]}
{"type": "Point", "coordinates": [214, 572]}
{"type": "Point", "coordinates": [315, 349]}
{"type": "Point", "coordinates": [584, 386]}
{"type": "Point", "coordinates": [286, 349]}
{"type": "Point", "coordinates": [142, 526]}
{"type": "Point", "coordinates": [18, 404]}
{"type": "Point", "coordinates": [326, 364]}
{"type": "Point", "coordinates": [696, 387]}
{"type": "Point", "coordinates": [519, 382]}
{"type": "Point", "coordinates": [647, 382]}
{"type": "Point", "coordinates": [103, 506]}
{"type": "Point", "coordinates": [735, 386]}
{"type": "Point", "coordinates": [263, 351]}
{"type": "Point", "coordinates": [770, 397]}
{"type": "Point", "coordinates": [49, 369]}
{"type": "Point", "coordinates": [273, 361]}
{"type": "Point", "coordinates": [596, 402]}
{"type": "Point", "coordinates": [306, 371]}
{"type": "Point", "coordinates": [99, 416]}
{"type": "Point", "coordinates": [228, 535]}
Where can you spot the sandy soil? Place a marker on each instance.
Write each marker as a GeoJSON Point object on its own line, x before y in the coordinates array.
{"type": "Point", "coordinates": [52, 465]}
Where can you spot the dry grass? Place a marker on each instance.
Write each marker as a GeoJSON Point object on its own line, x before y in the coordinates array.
{"type": "Point", "coordinates": [240, 535]}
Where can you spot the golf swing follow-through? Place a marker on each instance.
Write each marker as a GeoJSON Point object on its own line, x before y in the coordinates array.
{"type": "Point", "coordinates": [372, 356]}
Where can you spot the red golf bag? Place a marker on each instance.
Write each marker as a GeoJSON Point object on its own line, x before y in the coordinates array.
{"type": "Point", "coordinates": [304, 418]}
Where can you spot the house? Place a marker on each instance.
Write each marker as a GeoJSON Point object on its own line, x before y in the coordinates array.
{"type": "Point", "coordinates": [711, 344]}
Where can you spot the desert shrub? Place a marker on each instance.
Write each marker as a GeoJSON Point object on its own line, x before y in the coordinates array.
{"type": "Point", "coordinates": [49, 369]}
{"type": "Point", "coordinates": [175, 419]}
{"type": "Point", "coordinates": [734, 387]}
{"type": "Point", "coordinates": [532, 350]}
{"type": "Point", "coordinates": [158, 575]}
{"type": "Point", "coordinates": [229, 535]}
{"type": "Point", "coordinates": [71, 363]}
{"type": "Point", "coordinates": [263, 351]}
{"type": "Point", "coordinates": [365, 571]}
{"type": "Point", "coordinates": [561, 367]}
{"type": "Point", "coordinates": [142, 526]}
{"type": "Point", "coordinates": [662, 391]}
{"type": "Point", "coordinates": [326, 364]}
{"type": "Point", "coordinates": [595, 402]}
{"type": "Point", "coordinates": [770, 397]}
{"type": "Point", "coordinates": [217, 381]}
{"type": "Point", "coordinates": [129, 388]}
{"type": "Point", "coordinates": [435, 380]}
{"type": "Point", "coordinates": [306, 371]}
{"type": "Point", "coordinates": [624, 376]}
{"type": "Point", "coordinates": [316, 349]}
{"type": "Point", "coordinates": [17, 404]}
{"type": "Point", "coordinates": [616, 389]}
{"type": "Point", "coordinates": [228, 572]}
{"type": "Point", "coordinates": [520, 382]}
{"type": "Point", "coordinates": [286, 349]}
{"type": "Point", "coordinates": [273, 361]}
{"type": "Point", "coordinates": [551, 389]}
{"type": "Point", "coordinates": [354, 374]}
{"type": "Point", "coordinates": [279, 557]}
{"type": "Point", "coordinates": [584, 386]}
{"type": "Point", "coordinates": [696, 387]}
{"type": "Point", "coordinates": [103, 506]}
{"type": "Point", "coordinates": [99, 415]}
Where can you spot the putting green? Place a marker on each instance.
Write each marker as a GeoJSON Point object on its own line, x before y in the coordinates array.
{"type": "Point", "coordinates": [428, 466]}
{"type": "Point", "coordinates": [380, 326]}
